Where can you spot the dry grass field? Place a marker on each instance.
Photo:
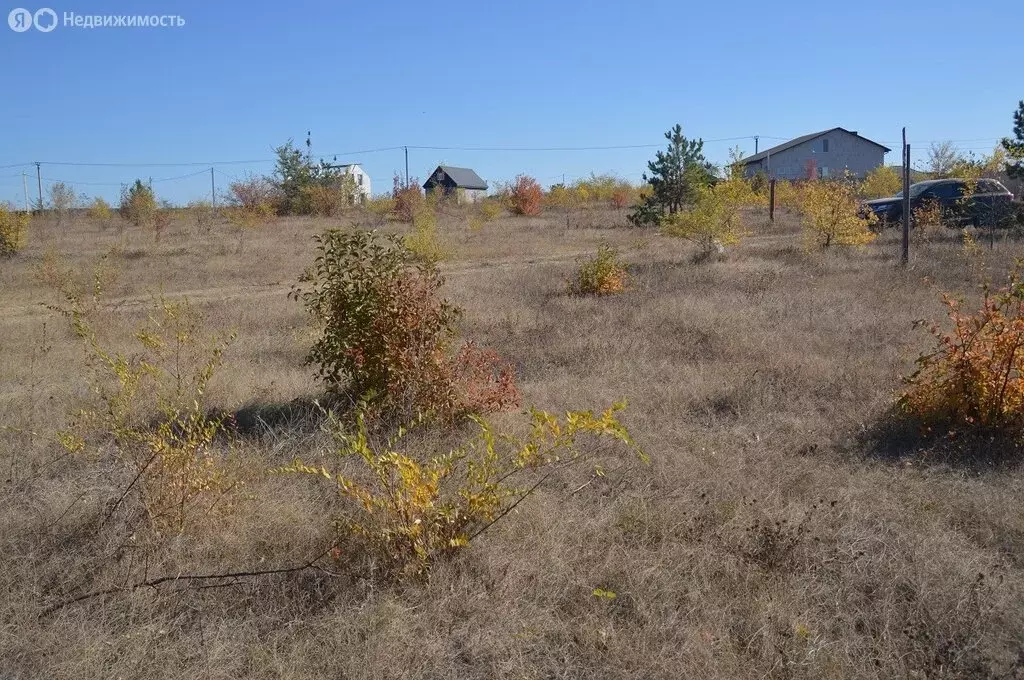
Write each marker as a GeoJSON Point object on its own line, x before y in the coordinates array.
{"type": "Point", "coordinates": [781, 529]}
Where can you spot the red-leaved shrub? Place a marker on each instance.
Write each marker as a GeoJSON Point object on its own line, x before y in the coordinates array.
{"type": "Point", "coordinates": [525, 196]}
{"type": "Point", "coordinates": [408, 198]}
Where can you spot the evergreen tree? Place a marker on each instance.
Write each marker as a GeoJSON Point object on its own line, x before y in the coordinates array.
{"type": "Point", "coordinates": [138, 203]}
{"type": "Point", "coordinates": [1015, 147]}
{"type": "Point", "coordinates": [296, 175]}
{"type": "Point", "coordinates": [675, 176]}
{"type": "Point", "coordinates": [292, 173]}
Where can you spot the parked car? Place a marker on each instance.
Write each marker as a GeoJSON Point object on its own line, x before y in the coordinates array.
{"type": "Point", "coordinates": [990, 204]}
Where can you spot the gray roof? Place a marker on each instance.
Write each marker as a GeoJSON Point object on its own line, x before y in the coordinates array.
{"type": "Point", "coordinates": [464, 178]}
{"type": "Point", "coordinates": [800, 140]}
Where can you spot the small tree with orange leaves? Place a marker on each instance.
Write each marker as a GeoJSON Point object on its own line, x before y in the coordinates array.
{"type": "Point", "coordinates": [525, 196]}
{"type": "Point", "coordinates": [974, 376]}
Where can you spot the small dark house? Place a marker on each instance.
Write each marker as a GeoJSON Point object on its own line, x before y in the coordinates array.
{"type": "Point", "coordinates": [460, 183]}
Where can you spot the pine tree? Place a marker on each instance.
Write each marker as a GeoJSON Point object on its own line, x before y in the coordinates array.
{"type": "Point", "coordinates": [138, 203]}
{"type": "Point", "coordinates": [1015, 147]}
{"type": "Point", "coordinates": [675, 176]}
{"type": "Point", "coordinates": [296, 175]}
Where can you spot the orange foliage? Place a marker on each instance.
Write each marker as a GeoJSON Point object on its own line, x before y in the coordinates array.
{"type": "Point", "coordinates": [621, 198]}
{"type": "Point", "coordinates": [525, 196]}
{"type": "Point", "coordinates": [974, 377]}
{"type": "Point", "coordinates": [408, 198]}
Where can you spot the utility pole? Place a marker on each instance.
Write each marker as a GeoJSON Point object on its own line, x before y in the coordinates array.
{"type": "Point", "coordinates": [905, 251]}
{"type": "Point", "coordinates": [39, 181]}
{"type": "Point", "coordinates": [406, 166]}
{"type": "Point", "coordinates": [755, 143]}
{"type": "Point", "coordinates": [213, 191]}
{"type": "Point", "coordinates": [24, 185]}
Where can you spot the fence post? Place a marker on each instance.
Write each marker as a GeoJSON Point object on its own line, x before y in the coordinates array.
{"type": "Point", "coordinates": [905, 251]}
{"type": "Point", "coordinates": [771, 200]}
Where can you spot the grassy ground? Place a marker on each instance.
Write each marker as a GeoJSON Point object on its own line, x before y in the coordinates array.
{"type": "Point", "coordinates": [779, 532]}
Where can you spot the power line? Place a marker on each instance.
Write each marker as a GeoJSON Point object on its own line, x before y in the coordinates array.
{"type": "Point", "coordinates": [117, 184]}
{"type": "Point", "coordinates": [171, 179]}
{"type": "Point", "coordinates": [570, 148]}
{"type": "Point", "coordinates": [206, 164]}
{"type": "Point", "coordinates": [613, 147]}
{"type": "Point", "coordinates": [254, 161]}
{"type": "Point", "coordinates": [88, 184]}
{"type": "Point", "coordinates": [153, 165]}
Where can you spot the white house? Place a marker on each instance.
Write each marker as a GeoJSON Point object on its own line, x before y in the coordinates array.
{"type": "Point", "coordinates": [363, 189]}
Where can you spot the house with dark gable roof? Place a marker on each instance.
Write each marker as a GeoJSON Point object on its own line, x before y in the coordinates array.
{"type": "Point", "coordinates": [461, 183]}
{"type": "Point", "coordinates": [829, 153]}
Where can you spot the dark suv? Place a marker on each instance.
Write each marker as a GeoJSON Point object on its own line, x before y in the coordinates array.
{"type": "Point", "coordinates": [988, 205]}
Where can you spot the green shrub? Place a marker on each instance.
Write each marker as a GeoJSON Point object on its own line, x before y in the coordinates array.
{"type": "Point", "coordinates": [386, 335]}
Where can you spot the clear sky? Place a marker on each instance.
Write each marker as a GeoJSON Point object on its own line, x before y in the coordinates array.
{"type": "Point", "coordinates": [240, 78]}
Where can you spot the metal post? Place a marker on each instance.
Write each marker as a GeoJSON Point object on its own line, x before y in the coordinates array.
{"type": "Point", "coordinates": [24, 185]}
{"type": "Point", "coordinates": [905, 250]}
{"type": "Point", "coordinates": [771, 200]}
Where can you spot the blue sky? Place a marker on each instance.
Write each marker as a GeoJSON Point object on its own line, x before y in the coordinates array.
{"type": "Point", "coordinates": [240, 78]}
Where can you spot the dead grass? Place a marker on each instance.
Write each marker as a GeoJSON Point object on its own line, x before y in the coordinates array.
{"type": "Point", "coordinates": [776, 534]}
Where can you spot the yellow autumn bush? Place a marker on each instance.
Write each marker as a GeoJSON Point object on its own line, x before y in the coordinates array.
{"type": "Point", "coordinates": [150, 404]}
{"type": "Point", "coordinates": [99, 211]}
{"type": "Point", "coordinates": [404, 512]}
{"type": "Point", "coordinates": [13, 230]}
{"type": "Point", "coordinates": [787, 194]}
{"type": "Point", "coordinates": [424, 240]}
{"type": "Point", "coordinates": [830, 215]}
{"type": "Point", "coordinates": [714, 220]}
{"type": "Point", "coordinates": [603, 274]}
{"type": "Point", "coordinates": [882, 182]}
